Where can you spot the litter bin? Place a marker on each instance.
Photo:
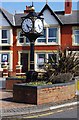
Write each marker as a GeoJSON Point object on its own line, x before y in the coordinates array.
{"type": "Point", "coordinates": [77, 85]}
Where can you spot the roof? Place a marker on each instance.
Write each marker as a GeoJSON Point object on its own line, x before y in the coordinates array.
{"type": "Point", "coordinates": [60, 16]}
{"type": "Point", "coordinates": [52, 13]}
{"type": "Point", "coordinates": [18, 18]}
{"type": "Point", "coordinates": [8, 16]}
{"type": "Point", "coordinates": [70, 18]}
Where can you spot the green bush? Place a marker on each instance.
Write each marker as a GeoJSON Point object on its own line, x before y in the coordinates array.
{"type": "Point", "coordinates": [64, 70]}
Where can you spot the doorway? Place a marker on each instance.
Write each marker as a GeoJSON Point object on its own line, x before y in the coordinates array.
{"type": "Point", "coordinates": [24, 62]}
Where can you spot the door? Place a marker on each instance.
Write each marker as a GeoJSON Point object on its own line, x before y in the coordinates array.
{"type": "Point", "coordinates": [24, 62]}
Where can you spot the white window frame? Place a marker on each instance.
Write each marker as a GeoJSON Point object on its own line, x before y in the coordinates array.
{"type": "Point", "coordinates": [9, 36]}
{"type": "Point", "coordinates": [41, 60]}
{"type": "Point", "coordinates": [44, 37]}
{"type": "Point", "coordinates": [46, 55]}
{"type": "Point", "coordinates": [18, 36]}
{"type": "Point", "coordinates": [52, 37]}
{"type": "Point", "coordinates": [74, 42]}
{"type": "Point", "coordinates": [6, 39]}
{"type": "Point", "coordinates": [47, 37]}
{"type": "Point", "coordinates": [73, 36]}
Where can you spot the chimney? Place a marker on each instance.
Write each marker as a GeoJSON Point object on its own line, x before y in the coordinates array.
{"type": "Point", "coordinates": [68, 6]}
{"type": "Point", "coordinates": [29, 9]}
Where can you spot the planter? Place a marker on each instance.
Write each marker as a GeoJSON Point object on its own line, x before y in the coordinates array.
{"type": "Point", "coordinates": [10, 81]}
{"type": "Point", "coordinates": [43, 94]}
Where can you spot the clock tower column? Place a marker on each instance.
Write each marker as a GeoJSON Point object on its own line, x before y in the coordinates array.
{"type": "Point", "coordinates": [32, 28]}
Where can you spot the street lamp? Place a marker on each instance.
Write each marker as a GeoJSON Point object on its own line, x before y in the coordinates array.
{"type": "Point", "coordinates": [32, 28]}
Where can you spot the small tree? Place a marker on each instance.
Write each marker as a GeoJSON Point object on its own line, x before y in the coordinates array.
{"type": "Point", "coordinates": [67, 64]}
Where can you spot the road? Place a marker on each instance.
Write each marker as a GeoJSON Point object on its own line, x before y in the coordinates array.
{"type": "Point", "coordinates": [70, 112]}
{"type": "Point", "coordinates": [65, 113]}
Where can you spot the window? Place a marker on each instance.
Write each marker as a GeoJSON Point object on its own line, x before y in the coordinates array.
{"type": "Point", "coordinates": [4, 57]}
{"type": "Point", "coordinates": [42, 39]}
{"type": "Point", "coordinates": [52, 35]}
{"type": "Point", "coordinates": [5, 36]}
{"type": "Point", "coordinates": [76, 37]}
{"type": "Point", "coordinates": [22, 39]}
{"type": "Point", "coordinates": [40, 60]}
{"type": "Point", "coordinates": [52, 57]}
{"type": "Point", "coordinates": [45, 57]}
{"type": "Point", "coordinates": [27, 40]}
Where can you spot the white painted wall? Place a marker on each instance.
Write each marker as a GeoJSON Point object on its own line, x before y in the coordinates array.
{"type": "Point", "coordinates": [3, 21]}
{"type": "Point", "coordinates": [5, 25]}
{"type": "Point", "coordinates": [49, 19]}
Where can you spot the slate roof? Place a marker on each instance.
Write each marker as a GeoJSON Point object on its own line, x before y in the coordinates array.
{"type": "Point", "coordinates": [62, 17]}
{"type": "Point", "coordinates": [70, 18]}
{"type": "Point", "coordinates": [18, 18]}
{"type": "Point", "coordinates": [59, 15]}
{"type": "Point", "coordinates": [7, 15]}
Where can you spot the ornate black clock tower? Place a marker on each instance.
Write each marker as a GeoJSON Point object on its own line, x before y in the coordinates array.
{"type": "Point", "coordinates": [32, 28]}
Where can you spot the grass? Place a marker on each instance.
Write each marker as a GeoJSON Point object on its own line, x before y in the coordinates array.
{"type": "Point", "coordinates": [38, 83]}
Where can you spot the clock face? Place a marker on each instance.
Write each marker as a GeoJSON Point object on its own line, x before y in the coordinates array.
{"type": "Point", "coordinates": [38, 26]}
{"type": "Point", "coordinates": [27, 25]}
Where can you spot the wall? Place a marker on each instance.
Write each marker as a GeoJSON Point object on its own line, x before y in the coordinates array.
{"type": "Point", "coordinates": [55, 94]}
{"type": "Point", "coordinates": [66, 36]}
{"type": "Point", "coordinates": [43, 94]}
{"type": "Point", "coordinates": [3, 21]}
{"type": "Point", "coordinates": [11, 81]}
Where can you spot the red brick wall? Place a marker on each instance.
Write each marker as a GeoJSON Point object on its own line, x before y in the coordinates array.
{"type": "Point", "coordinates": [66, 41]}
{"type": "Point", "coordinates": [55, 94]}
{"type": "Point", "coordinates": [66, 36]}
{"type": "Point", "coordinates": [11, 82]}
{"type": "Point", "coordinates": [36, 95]}
{"type": "Point", "coordinates": [15, 54]}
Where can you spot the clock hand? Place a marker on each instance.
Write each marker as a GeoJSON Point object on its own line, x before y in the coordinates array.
{"type": "Point", "coordinates": [28, 26]}
{"type": "Point", "coordinates": [39, 26]}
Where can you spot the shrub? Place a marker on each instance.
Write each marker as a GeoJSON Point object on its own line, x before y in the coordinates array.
{"type": "Point", "coordinates": [64, 69]}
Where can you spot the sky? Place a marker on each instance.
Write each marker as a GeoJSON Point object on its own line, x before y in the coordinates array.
{"type": "Point", "coordinates": [20, 5]}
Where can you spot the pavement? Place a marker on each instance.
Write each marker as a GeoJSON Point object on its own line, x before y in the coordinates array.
{"type": "Point", "coordinates": [10, 108]}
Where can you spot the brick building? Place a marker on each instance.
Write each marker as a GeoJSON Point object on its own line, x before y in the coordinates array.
{"type": "Point", "coordinates": [61, 31]}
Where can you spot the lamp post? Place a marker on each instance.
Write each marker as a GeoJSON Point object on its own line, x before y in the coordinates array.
{"type": "Point", "coordinates": [32, 28]}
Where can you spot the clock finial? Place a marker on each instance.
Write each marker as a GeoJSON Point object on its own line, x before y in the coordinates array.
{"type": "Point", "coordinates": [46, 1]}
{"type": "Point", "coordinates": [32, 4]}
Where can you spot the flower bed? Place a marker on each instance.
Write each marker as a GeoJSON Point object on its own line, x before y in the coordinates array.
{"type": "Point", "coordinates": [43, 94]}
